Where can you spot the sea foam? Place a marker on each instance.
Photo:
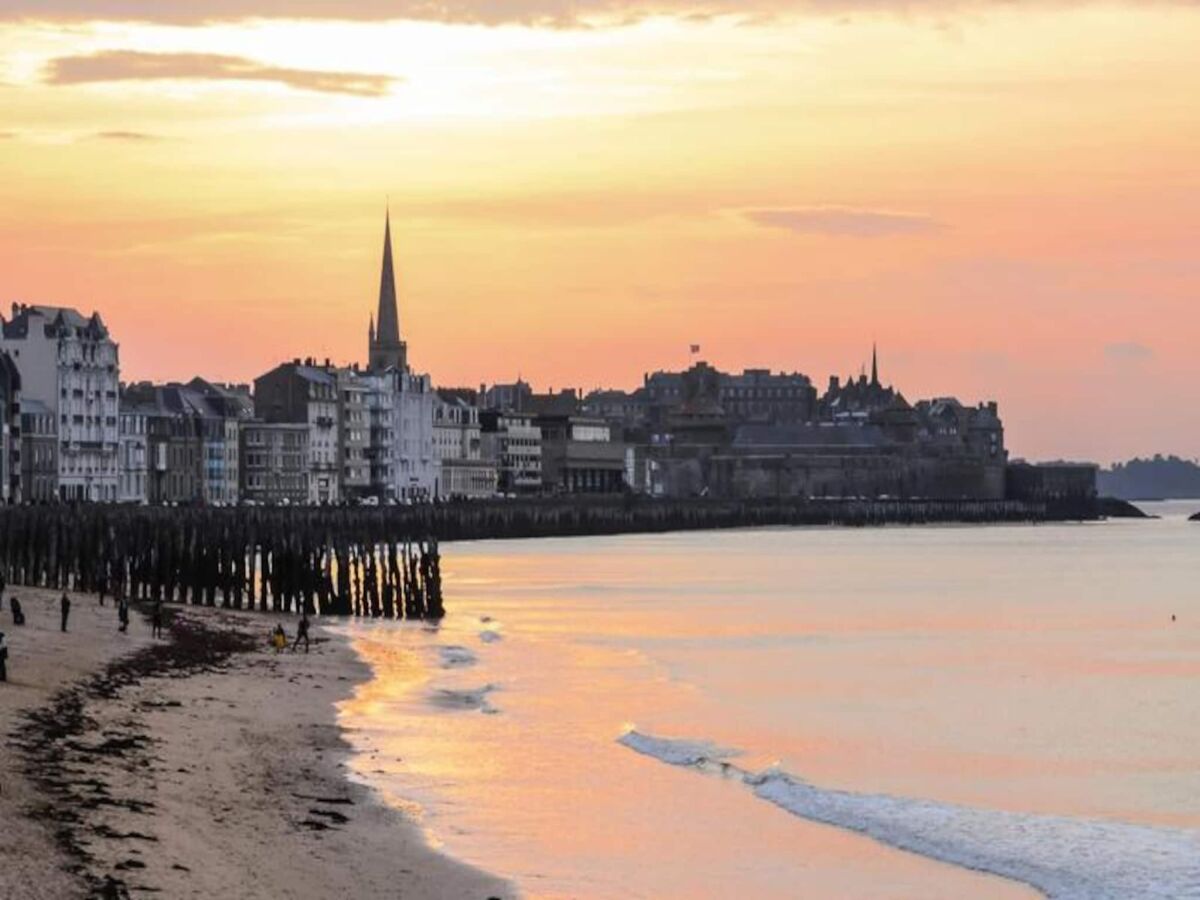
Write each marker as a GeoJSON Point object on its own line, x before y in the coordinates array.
{"type": "Point", "coordinates": [1065, 858]}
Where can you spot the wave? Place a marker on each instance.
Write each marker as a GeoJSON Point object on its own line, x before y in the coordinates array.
{"type": "Point", "coordinates": [454, 657]}
{"type": "Point", "coordinates": [1064, 858]}
{"type": "Point", "coordinates": [472, 698]}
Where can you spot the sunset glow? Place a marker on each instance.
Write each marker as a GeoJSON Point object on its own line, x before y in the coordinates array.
{"type": "Point", "coordinates": [1004, 197]}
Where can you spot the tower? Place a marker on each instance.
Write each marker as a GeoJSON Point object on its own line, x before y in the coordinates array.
{"type": "Point", "coordinates": [385, 349]}
{"type": "Point", "coordinates": [874, 366]}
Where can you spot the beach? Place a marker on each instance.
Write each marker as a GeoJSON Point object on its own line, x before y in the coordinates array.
{"type": "Point", "coordinates": [201, 765]}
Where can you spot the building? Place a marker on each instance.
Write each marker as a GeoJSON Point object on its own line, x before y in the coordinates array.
{"type": "Point", "coordinates": [134, 451]}
{"type": "Point", "coordinates": [304, 393]}
{"type": "Point", "coordinates": [69, 364]}
{"type": "Point", "coordinates": [39, 452]}
{"type": "Point", "coordinates": [754, 395]}
{"type": "Point", "coordinates": [856, 399]}
{"type": "Point", "coordinates": [579, 455]}
{"type": "Point", "coordinates": [191, 434]}
{"type": "Point", "coordinates": [385, 349]}
{"type": "Point", "coordinates": [458, 447]}
{"type": "Point", "coordinates": [354, 432]}
{"type": "Point", "coordinates": [223, 408]}
{"type": "Point", "coordinates": [10, 430]}
{"type": "Point", "coordinates": [274, 462]}
{"type": "Point", "coordinates": [513, 444]}
{"type": "Point", "coordinates": [512, 397]}
{"type": "Point", "coordinates": [416, 469]}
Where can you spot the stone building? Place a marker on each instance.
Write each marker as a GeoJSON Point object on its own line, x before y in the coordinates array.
{"type": "Point", "coordinates": [39, 452]}
{"type": "Point", "coordinates": [70, 365]}
{"type": "Point", "coordinates": [579, 455]}
{"type": "Point", "coordinates": [304, 393]}
{"type": "Point", "coordinates": [458, 447]}
{"type": "Point", "coordinates": [134, 451]}
{"type": "Point", "coordinates": [275, 462]}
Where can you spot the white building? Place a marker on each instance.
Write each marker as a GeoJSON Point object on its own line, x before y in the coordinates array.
{"type": "Point", "coordinates": [514, 444]}
{"type": "Point", "coordinates": [414, 466]}
{"type": "Point", "coordinates": [70, 364]}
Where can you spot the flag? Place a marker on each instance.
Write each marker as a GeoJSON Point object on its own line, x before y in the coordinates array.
{"type": "Point", "coordinates": [695, 348]}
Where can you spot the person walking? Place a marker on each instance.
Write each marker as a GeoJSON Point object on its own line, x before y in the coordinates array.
{"type": "Point", "coordinates": [3, 658]}
{"type": "Point", "coordinates": [65, 606]}
{"type": "Point", "coordinates": [156, 620]}
{"type": "Point", "coordinates": [102, 586]}
{"type": "Point", "coordinates": [123, 615]}
{"type": "Point", "coordinates": [18, 614]}
{"type": "Point", "coordinates": [301, 632]}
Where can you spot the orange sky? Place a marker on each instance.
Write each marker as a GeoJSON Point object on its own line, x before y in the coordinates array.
{"type": "Point", "coordinates": [1005, 198]}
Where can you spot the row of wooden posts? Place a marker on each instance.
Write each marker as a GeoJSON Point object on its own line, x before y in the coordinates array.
{"type": "Point", "coordinates": [363, 561]}
{"type": "Point", "coordinates": [323, 561]}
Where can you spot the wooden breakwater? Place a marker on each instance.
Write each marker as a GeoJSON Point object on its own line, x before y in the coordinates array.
{"type": "Point", "coordinates": [373, 561]}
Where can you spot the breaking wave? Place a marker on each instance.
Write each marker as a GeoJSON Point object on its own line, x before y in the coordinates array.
{"type": "Point", "coordinates": [1065, 858]}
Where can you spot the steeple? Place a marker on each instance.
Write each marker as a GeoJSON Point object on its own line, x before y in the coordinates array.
{"type": "Point", "coordinates": [874, 365]}
{"type": "Point", "coordinates": [385, 350]}
{"type": "Point", "coordinates": [388, 317]}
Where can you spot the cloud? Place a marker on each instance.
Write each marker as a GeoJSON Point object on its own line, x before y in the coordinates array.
{"type": "Point", "coordinates": [133, 65]}
{"type": "Point", "coordinates": [1128, 351]}
{"type": "Point", "coordinates": [133, 136]}
{"type": "Point", "coordinates": [841, 221]}
{"type": "Point", "coordinates": [554, 13]}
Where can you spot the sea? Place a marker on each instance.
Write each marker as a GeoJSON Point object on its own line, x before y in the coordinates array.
{"type": "Point", "coordinates": [983, 711]}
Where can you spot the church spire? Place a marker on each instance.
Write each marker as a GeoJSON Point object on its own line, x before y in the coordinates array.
{"type": "Point", "coordinates": [874, 364]}
{"type": "Point", "coordinates": [388, 318]}
{"type": "Point", "coordinates": [385, 349]}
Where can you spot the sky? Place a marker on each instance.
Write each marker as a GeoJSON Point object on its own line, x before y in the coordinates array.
{"type": "Point", "coordinates": [1004, 196]}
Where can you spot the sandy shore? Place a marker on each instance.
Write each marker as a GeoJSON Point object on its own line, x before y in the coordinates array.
{"type": "Point", "coordinates": [204, 765]}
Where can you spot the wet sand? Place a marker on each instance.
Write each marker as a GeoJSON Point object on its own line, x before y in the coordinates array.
{"type": "Point", "coordinates": [203, 765]}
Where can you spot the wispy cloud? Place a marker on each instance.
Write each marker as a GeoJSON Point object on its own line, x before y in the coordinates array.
{"type": "Point", "coordinates": [843, 221]}
{"type": "Point", "coordinates": [1128, 351]}
{"type": "Point", "coordinates": [133, 65]}
{"type": "Point", "coordinates": [131, 136]}
{"type": "Point", "coordinates": [553, 13]}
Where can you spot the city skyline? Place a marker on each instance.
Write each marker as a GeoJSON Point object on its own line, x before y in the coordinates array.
{"type": "Point", "coordinates": [1001, 198]}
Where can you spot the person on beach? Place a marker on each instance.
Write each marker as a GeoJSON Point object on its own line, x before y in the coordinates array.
{"type": "Point", "coordinates": [18, 614]}
{"type": "Point", "coordinates": [278, 638]}
{"type": "Point", "coordinates": [65, 606]}
{"type": "Point", "coordinates": [302, 632]}
{"type": "Point", "coordinates": [101, 587]}
{"type": "Point", "coordinates": [3, 658]}
{"type": "Point", "coordinates": [156, 619]}
{"type": "Point", "coordinates": [123, 615]}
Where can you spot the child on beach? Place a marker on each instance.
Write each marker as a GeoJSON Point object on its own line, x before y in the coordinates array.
{"type": "Point", "coordinates": [65, 606]}
{"type": "Point", "coordinates": [123, 615]}
{"type": "Point", "coordinates": [156, 620]}
{"type": "Point", "coordinates": [279, 639]}
{"type": "Point", "coordinates": [18, 614]}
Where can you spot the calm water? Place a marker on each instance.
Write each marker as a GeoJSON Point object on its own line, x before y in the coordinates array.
{"type": "Point", "coordinates": [932, 712]}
